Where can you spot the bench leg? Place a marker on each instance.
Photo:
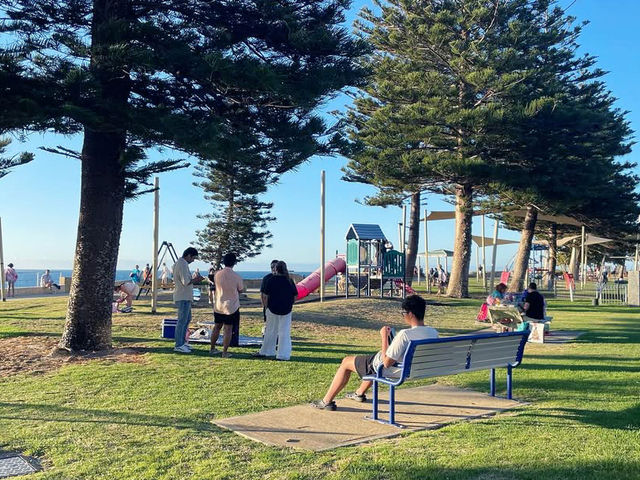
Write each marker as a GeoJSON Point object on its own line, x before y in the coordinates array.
{"type": "Point", "coordinates": [509, 375]}
{"type": "Point", "coordinates": [375, 400]}
{"type": "Point", "coordinates": [392, 405]}
{"type": "Point", "coordinates": [492, 382]}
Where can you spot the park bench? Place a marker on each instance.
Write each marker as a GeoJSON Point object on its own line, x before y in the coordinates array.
{"type": "Point", "coordinates": [437, 357]}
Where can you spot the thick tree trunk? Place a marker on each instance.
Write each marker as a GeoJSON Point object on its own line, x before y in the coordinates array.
{"type": "Point", "coordinates": [553, 256]}
{"type": "Point", "coordinates": [459, 275]}
{"type": "Point", "coordinates": [414, 235]}
{"type": "Point", "coordinates": [88, 322]}
{"type": "Point", "coordinates": [521, 263]}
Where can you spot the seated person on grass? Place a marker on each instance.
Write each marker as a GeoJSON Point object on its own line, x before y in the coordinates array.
{"type": "Point", "coordinates": [413, 308]}
{"type": "Point", "coordinates": [533, 303]}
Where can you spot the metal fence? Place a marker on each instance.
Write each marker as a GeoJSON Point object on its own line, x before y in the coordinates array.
{"type": "Point", "coordinates": [612, 294]}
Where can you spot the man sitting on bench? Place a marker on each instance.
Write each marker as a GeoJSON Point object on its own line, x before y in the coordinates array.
{"type": "Point", "coordinates": [391, 352]}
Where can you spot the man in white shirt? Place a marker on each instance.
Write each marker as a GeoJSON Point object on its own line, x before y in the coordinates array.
{"type": "Point", "coordinates": [46, 282]}
{"type": "Point", "coordinates": [183, 296]}
{"type": "Point", "coordinates": [413, 308]}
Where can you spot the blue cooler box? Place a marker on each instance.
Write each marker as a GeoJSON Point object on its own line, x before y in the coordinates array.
{"type": "Point", "coordinates": [169, 328]}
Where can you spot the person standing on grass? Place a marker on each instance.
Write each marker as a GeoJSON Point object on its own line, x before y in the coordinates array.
{"type": "Point", "coordinates": [263, 284]}
{"type": "Point", "coordinates": [413, 309]}
{"type": "Point", "coordinates": [279, 294]}
{"type": "Point", "coordinates": [183, 297]}
{"type": "Point", "coordinates": [164, 279]}
{"type": "Point", "coordinates": [11, 276]}
{"type": "Point", "coordinates": [226, 311]}
{"type": "Point", "coordinates": [211, 280]}
{"type": "Point", "coordinates": [135, 275]}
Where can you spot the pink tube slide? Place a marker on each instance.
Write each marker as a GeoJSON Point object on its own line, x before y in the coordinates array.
{"type": "Point", "coordinates": [312, 282]}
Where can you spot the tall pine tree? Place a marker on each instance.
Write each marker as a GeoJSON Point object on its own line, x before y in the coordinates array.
{"type": "Point", "coordinates": [238, 222]}
{"type": "Point", "coordinates": [132, 74]}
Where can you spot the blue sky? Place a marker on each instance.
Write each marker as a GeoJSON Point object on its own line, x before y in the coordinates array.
{"type": "Point", "coordinates": [40, 201]}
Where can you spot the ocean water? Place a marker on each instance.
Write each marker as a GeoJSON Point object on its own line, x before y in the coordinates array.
{"type": "Point", "coordinates": [31, 278]}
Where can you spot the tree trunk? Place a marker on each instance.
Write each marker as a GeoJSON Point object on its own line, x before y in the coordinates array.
{"type": "Point", "coordinates": [553, 256]}
{"type": "Point", "coordinates": [521, 263]}
{"type": "Point", "coordinates": [459, 276]}
{"type": "Point", "coordinates": [414, 235]}
{"type": "Point", "coordinates": [88, 321]}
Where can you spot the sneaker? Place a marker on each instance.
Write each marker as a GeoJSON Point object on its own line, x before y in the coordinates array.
{"type": "Point", "coordinates": [319, 404]}
{"type": "Point", "coordinates": [258, 355]}
{"type": "Point", "coordinates": [215, 351]}
{"type": "Point", "coordinates": [226, 354]}
{"type": "Point", "coordinates": [182, 349]}
{"type": "Point", "coordinates": [356, 397]}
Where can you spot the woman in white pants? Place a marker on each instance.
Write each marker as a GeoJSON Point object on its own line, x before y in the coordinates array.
{"type": "Point", "coordinates": [278, 296]}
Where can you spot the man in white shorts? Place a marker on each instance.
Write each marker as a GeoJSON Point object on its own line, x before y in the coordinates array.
{"type": "Point", "coordinates": [413, 308]}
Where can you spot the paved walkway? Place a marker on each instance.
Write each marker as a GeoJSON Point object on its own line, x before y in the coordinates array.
{"type": "Point", "coordinates": [420, 408]}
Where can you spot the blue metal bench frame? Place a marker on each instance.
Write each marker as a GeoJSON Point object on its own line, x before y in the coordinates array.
{"type": "Point", "coordinates": [408, 357]}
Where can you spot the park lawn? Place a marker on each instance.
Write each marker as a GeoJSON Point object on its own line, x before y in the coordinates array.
{"type": "Point", "coordinates": [151, 418]}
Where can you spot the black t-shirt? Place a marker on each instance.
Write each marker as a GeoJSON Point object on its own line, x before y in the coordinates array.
{"type": "Point", "coordinates": [536, 305]}
{"type": "Point", "coordinates": [282, 292]}
{"type": "Point", "coordinates": [265, 279]}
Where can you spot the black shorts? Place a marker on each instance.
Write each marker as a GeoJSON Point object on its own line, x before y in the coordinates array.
{"type": "Point", "coordinates": [226, 319]}
{"type": "Point", "coordinates": [364, 365]}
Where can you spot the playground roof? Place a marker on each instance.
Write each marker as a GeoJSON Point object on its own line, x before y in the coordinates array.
{"type": "Point", "coordinates": [365, 231]}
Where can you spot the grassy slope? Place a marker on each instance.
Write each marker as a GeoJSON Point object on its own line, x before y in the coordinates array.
{"type": "Point", "coordinates": [152, 420]}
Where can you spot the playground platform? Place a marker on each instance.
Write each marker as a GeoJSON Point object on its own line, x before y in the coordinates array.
{"type": "Point", "coordinates": [421, 408]}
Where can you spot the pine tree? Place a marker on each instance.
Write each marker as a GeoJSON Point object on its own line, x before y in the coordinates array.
{"type": "Point", "coordinates": [444, 78]}
{"type": "Point", "coordinates": [13, 161]}
{"type": "Point", "coordinates": [239, 220]}
{"type": "Point", "coordinates": [130, 75]}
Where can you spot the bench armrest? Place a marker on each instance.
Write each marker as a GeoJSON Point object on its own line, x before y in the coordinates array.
{"type": "Point", "coordinates": [379, 378]}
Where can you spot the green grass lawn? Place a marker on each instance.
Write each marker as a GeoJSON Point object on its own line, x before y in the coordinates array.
{"type": "Point", "coordinates": [151, 418]}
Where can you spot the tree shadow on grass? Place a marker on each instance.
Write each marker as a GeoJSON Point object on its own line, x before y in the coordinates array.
{"type": "Point", "coordinates": [417, 468]}
{"type": "Point", "coordinates": [627, 419]}
{"type": "Point", "coordinates": [55, 413]}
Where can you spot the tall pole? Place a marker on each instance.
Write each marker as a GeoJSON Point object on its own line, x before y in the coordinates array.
{"type": "Point", "coordinates": [156, 223]}
{"type": "Point", "coordinates": [484, 263]}
{"type": "Point", "coordinates": [582, 272]}
{"type": "Point", "coordinates": [495, 251]}
{"type": "Point", "coordinates": [322, 177]}
{"type": "Point", "coordinates": [635, 260]}
{"type": "Point", "coordinates": [404, 229]}
{"type": "Point", "coordinates": [477, 263]}
{"type": "Point", "coordinates": [426, 252]}
{"type": "Point", "coordinates": [2, 292]}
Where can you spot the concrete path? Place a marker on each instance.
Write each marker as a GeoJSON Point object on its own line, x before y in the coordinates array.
{"type": "Point", "coordinates": [420, 408]}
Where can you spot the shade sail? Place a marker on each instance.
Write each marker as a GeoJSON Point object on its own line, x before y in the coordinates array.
{"type": "Point", "coordinates": [559, 219]}
{"type": "Point", "coordinates": [438, 253]}
{"type": "Point", "coordinates": [488, 241]}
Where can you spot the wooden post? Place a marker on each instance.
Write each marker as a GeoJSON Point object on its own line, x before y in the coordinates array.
{"type": "Point", "coordinates": [484, 263]}
{"type": "Point", "coordinates": [322, 177]}
{"type": "Point", "coordinates": [426, 252]}
{"type": "Point", "coordinates": [495, 251]}
{"type": "Point", "coordinates": [156, 223]}
{"type": "Point", "coordinates": [2, 279]}
{"type": "Point", "coordinates": [582, 272]}
{"type": "Point", "coordinates": [477, 263]}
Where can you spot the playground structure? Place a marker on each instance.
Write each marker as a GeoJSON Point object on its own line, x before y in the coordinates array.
{"type": "Point", "coordinates": [312, 282]}
{"type": "Point", "coordinates": [370, 265]}
{"type": "Point", "coordinates": [165, 248]}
